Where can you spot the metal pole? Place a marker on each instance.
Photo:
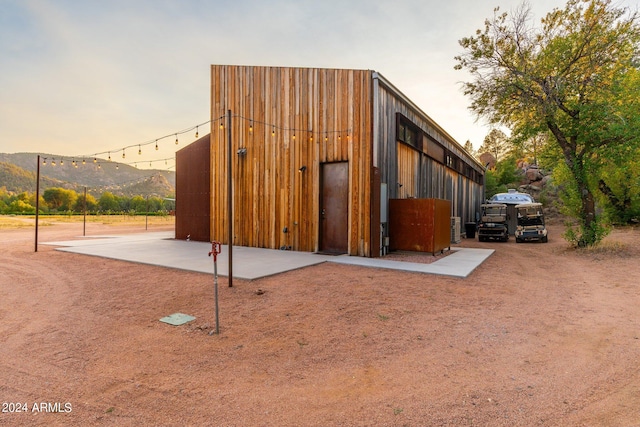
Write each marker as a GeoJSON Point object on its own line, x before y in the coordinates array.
{"type": "Point", "coordinates": [84, 223]}
{"type": "Point", "coordinates": [215, 291]}
{"type": "Point", "coordinates": [37, 199]}
{"type": "Point", "coordinates": [146, 215]}
{"type": "Point", "coordinates": [216, 248]}
{"type": "Point", "coordinates": [229, 200]}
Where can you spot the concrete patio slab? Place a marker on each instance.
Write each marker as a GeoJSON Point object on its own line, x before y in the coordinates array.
{"type": "Point", "coordinates": [161, 249]}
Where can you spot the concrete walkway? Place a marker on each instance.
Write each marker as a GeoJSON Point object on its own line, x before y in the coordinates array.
{"type": "Point", "coordinates": [161, 249]}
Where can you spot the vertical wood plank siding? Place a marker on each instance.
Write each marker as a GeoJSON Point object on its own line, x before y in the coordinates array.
{"type": "Point", "coordinates": [420, 175]}
{"type": "Point", "coordinates": [287, 118]}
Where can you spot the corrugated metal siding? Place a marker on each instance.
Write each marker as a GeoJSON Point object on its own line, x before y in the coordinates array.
{"type": "Point", "coordinates": [430, 179]}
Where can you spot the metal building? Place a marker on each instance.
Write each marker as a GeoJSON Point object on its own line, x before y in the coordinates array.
{"type": "Point", "coordinates": [316, 155]}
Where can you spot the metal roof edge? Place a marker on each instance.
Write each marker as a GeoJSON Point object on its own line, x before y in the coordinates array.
{"type": "Point", "coordinates": [385, 82]}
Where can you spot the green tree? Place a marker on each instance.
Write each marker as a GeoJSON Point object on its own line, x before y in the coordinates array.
{"type": "Point", "coordinates": [496, 143]}
{"type": "Point", "coordinates": [575, 78]}
{"type": "Point", "coordinates": [60, 199]}
{"type": "Point", "coordinates": [108, 202]}
{"type": "Point", "coordinates": [92, 203]}
{"type": "Point", "coordinates": [139, 204]}
{"type": "Point", "coordinates": [20, 206]}
{"type": "Point", "coordinates": [468, 147]}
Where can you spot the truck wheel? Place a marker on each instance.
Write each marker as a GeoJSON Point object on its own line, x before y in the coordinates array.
{"type": "Point", "coordinates": [545, 239]}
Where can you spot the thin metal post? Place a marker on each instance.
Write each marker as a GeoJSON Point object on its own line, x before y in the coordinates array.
{"type": "Point", "coordinates": [146, 215]}
{"type": "Point", "coordinates": [37, 199]}
{"type": "Point", "coordinates": [84, 223]}
{"type": "Point", "coordinates": [229, 199]}
{"type": "Point", "coordinates": [215, 292]}
{"type": "Point", "coordinates": [216, 248]}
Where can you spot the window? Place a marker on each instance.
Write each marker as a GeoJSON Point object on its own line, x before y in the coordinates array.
{"type": "Point", "coordinates": [407, 132]}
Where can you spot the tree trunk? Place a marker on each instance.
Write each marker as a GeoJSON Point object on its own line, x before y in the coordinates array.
{"type": "Point", "coordinates": [588, 205]}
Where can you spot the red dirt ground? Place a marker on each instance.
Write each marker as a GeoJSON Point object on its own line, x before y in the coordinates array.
{"type": "Point", "coordinates": [539, 335]}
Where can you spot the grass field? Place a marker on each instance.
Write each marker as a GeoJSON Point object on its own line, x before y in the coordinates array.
{"type": "Point", "coordinates": [15, 222]}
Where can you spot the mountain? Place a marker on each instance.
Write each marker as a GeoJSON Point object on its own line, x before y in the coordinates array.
{"type": "Point", "coordinates": [18, 172]}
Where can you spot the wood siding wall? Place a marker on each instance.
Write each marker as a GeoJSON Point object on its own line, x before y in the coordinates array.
{"type": "Point", "coordinates": [420, 175]}
{"type": "Point", "coordinates": [287, 118]}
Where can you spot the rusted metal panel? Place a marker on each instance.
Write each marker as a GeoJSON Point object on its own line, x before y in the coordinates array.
{"type": "Point", "coordinates": [193, 182]}
{"type": "Point", "coordinates": [422, 225]}
{"type": "Point", "coordinates": [334, 208]}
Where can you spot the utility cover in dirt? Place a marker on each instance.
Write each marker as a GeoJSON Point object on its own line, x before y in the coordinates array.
{"type": "Point", "coordinates": [177, 319]}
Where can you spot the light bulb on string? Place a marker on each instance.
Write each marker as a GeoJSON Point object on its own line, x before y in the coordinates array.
{"type": "Point", "coordinates": [251, 126]}
{"type": "Point", "coordinates": [95, 160]}
{"type": "Point", "coordinates": [109, 156]}
{"type": "Point", "coordinates": [273, 132]}
{"type": "Point", "coordinates": [44, 161]}
{"type": "Point", "coordinates": [99, 166]}
{"type": "Point", "coordinates": [53, 162]}
{"type": "Point", "coordinates": [176, 139]}
{"type": "Point", "coordinates": [117, 166]}
{"type": "Point", "coordinates": [139, 150]}
{"type": "Point", "coordinates": [196, 132]}
{"type": "Point", "coordinates": [123, 155]}
{"type": "Point", "coordinates": [84, 162]}
{"type": "Point", "coordinates": [156, 145]}
{"type": "Point", "coordinates": [61, 162]}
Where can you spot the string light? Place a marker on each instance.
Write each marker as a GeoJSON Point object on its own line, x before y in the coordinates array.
{"type": "Point", "coordinates": [251, 124]}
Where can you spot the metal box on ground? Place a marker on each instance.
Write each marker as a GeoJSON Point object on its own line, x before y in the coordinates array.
{"type": "Point", "coordinates": [421, 225]}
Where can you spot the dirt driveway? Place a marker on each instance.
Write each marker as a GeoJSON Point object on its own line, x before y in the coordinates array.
{"type": "Point", "coordinates": [538, 335]}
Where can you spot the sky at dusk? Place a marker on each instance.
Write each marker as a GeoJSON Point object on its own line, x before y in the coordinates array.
{"type": "Point", "coordinates": [88, 76]}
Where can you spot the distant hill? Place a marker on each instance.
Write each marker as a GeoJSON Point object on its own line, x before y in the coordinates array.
{"type": "Point", "coordinates": [18, 171]}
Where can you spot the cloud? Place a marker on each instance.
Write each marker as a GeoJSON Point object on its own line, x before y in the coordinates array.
{"type": "Point", "coordinates": [91, 76]}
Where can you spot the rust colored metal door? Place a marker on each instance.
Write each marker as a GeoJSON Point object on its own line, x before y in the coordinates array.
{"type": "Point", "coordinates": [334, 207]}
